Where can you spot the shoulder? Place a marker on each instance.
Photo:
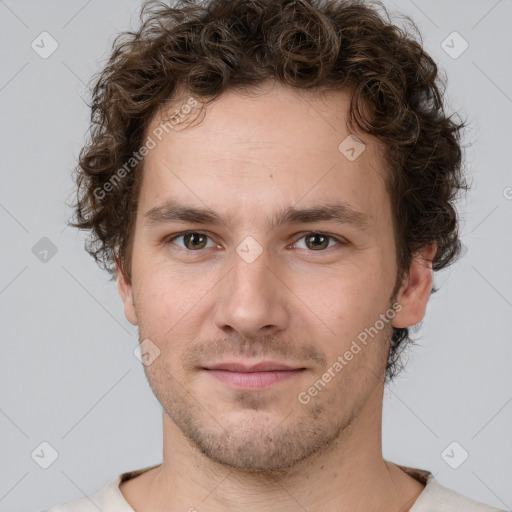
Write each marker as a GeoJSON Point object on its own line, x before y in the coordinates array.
{"type": "Point", "coordinates": [437, 498]}
{"type": "Point", "coordinates": [106, 499]}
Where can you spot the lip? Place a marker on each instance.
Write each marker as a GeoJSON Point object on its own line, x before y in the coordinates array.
{"type": "Point", "coordinates": [252, 377]}
{"type": "Point", "coordinates": [264, 366]}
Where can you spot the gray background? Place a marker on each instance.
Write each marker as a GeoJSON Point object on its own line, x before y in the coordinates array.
{"type": "Point", "coordinates": [68, 374]}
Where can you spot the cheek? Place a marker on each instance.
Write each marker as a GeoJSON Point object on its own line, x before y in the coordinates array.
{"type": "Point", "coordinates": [169, 302]}
{"type": "Point", "coordinates": [157, 302]}
{"type": "Point", "coordinates": [346, 303]}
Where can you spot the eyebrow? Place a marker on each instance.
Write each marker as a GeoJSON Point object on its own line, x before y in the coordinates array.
{"type": "Point", "coordinates": [172, 211]}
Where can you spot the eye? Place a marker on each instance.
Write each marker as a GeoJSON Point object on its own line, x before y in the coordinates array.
{"type": "Point", "coordinates": [192, 240]}
{"type": "Point", "coordinates": [196, 240]}
{"type": "Point", "coordinates": [318, 241]}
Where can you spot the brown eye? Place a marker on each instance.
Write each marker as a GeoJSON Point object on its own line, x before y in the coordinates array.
{"type": "Point", "coordinates": [317, 242]}
{"type": "Point", "coordinates": [196, 240]}
{"type": "Point", "coordinates": [192, 240]}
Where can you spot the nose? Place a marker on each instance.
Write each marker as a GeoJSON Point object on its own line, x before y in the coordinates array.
{"type": "Point", "coordinates": [252, 299]}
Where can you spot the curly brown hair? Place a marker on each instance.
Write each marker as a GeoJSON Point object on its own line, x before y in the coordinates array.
{"type": "Point", "coordinates": [207, 48]}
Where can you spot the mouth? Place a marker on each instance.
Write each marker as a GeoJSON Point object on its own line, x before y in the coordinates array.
{"type": "Point", "coordinates": [252, 377]}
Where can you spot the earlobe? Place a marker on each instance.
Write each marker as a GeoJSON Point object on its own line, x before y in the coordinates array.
{"type": "Point", "coordinates": [415, 290]}
{"type": "Point", "coordinates": [126, 292]}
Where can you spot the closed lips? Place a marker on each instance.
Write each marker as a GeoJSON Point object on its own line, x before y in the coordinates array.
{"type": "Point", "coordinates": [260, 367]}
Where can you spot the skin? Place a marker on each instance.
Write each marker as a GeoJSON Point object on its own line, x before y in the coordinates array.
{"type": "Point", "coordinates": [228, 449]}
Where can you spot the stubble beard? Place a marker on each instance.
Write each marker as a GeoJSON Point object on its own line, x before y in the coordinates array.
{"type": "Point", "coordinates": [261, 442]}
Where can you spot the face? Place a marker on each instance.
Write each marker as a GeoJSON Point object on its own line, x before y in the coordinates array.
{"type": "Point", "coordinates": [261, 253]}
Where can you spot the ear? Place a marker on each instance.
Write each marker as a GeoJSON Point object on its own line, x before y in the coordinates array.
{"type": "Point", "coordinates": [415, 289]}
{"type": "Point", "coordinates": [126, 292]}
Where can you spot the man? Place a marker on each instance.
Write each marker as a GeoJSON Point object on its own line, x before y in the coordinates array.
{"type": "Point", "coordinates": [272, 184]}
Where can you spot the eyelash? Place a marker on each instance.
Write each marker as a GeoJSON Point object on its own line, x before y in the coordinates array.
{"type": "Point", "coordinates": [168, 240]}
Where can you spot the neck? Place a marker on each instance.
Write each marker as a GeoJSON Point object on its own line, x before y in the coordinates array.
{"type": "Point", "coordinates": [349, 474]}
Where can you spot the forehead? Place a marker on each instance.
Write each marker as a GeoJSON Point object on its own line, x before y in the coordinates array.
{"type": "Point", "coordinates": [277, 145]}
{"type": "Point", "coordinates": [270, 113]}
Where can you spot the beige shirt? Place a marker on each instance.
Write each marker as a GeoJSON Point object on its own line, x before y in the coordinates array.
{"type": "Point", "coordinates": [434, 498]}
